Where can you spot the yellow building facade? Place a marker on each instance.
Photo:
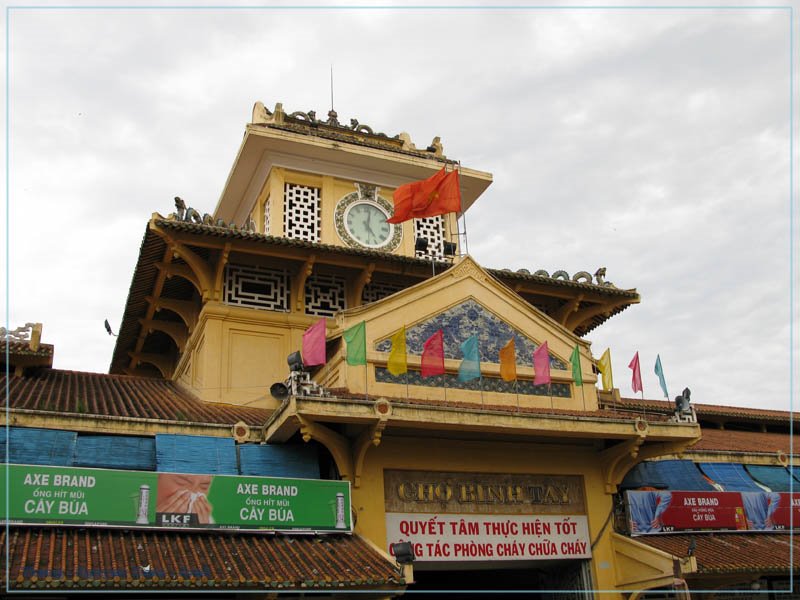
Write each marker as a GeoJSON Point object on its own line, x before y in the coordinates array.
{"type": "Point", "coordinates": [496, 484]}
{"type": "Point", "coordinates": [478, 476]}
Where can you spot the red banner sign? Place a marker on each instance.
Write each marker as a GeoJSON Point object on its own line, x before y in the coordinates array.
{"type": "Point", "coordinates": [782, 517]}
{"type": "Point", "coordinates": [663, 511]}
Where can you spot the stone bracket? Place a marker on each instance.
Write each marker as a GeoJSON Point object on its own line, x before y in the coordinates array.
{"type": "Point", "coordinates": [336, 444]}
{"type": "Point", "coordinates": [617, 460]}
{"type": "Point", "coordinates": [371, 436]}
{"type": "Point", "coordinates": [303, 273]}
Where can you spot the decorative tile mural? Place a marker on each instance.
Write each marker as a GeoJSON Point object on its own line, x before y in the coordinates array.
{"type": "Point", "coordinates": [487, 384]}
{"type": "Point", "coordinates": [464, 320]}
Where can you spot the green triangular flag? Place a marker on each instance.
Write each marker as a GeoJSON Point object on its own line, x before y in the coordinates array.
{"type": "Point", "coordinates": [575, 359]}
{"type": "Point", "coordinates": [356, 340]}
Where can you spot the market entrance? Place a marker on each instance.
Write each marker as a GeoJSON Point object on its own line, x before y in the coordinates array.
{"type": "Point", "coordinates": [572, 577]}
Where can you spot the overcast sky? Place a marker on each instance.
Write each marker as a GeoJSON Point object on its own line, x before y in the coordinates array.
{"type": "Point", "coordinates": [653, 142]}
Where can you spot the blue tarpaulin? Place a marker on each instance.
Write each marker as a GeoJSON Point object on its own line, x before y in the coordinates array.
{"type": "Point", "coordinates": [731, 476]}
{"type": "Point", "coordinates": [116, 452]}
{"type": "Point", "coordinates": [196, 454]}
{"type": "Point", "coordinates": [795, 471]}
{"type": "Point", "coordinates": [775, 478]}
{"type": "Point", "coordinates": [38, 446]}
{"type": "Point", "coordinates": [274, 460]}
{"type": "Point", "coordinates": [669, 474]}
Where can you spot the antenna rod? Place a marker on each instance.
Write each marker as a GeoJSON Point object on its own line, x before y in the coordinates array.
{"type": "Point", "coordinates": [331, 86]}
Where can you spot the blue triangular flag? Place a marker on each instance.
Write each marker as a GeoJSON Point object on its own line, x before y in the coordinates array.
{"type": "Point", "coordinates": [660, 373]}
{"type": "Point", "coordinates": [470, 367]}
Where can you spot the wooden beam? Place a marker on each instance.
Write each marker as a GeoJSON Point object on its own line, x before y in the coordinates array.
{"type": "Point", "coordinates": [185, 309]}
{"type": "Point", "coordinates": [177, 331]}
{"type": "Point", "coordinates": [299, 287]}
{"type": "Point", "coordinates": [357, 290]}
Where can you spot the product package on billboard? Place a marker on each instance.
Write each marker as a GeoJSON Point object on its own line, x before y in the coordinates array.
{"type": "Point", "coordinates": [137, 499]}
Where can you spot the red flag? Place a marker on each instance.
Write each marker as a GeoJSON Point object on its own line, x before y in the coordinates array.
{"type": "Point", "coordinates": [433, 355]}
{"type": "Point", "coordinates": [541, 365]}
{"type": "Point", "coordinates": [314, 344]}
{"type": "Point", "coordinates": [437, 195]}
{"type": "Point", "coordinates": [636, 381]}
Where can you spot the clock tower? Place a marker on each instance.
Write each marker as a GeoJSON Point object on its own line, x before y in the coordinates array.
{"type": "Point", "coordinates": [299, 177]}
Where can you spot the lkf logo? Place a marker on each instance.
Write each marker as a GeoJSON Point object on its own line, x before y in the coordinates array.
{"type": "Point", "coordinates": [176, 519]}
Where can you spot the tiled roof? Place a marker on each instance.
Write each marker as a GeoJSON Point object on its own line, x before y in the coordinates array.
{"type": "Point", "coordinates": [153, 249]}
{"type": "Point", "coordinates": [20, 348]}
{"type": "Point", "coordinates": [142, 284]}
{"type": "Point", "coordinates": [706, 410]}
{"type": "Point", "coordinates": [48, 558]}
{"type": "Point", "coordinates": [76, 392]}
{"type": "Point", "coordinates": [227, 233]}
{"type": "Point", "coordinates": [724, 440]}
{"type": "Point", "coordinates": [733, 552]}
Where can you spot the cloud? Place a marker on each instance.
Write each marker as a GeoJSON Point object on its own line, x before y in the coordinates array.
{"type": "Point", "coordinates": [655, 143]}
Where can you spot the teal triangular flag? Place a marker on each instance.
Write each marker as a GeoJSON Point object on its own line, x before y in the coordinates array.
{"type": "Point", "coordinates": [470, 367]}
{"type": "Point", "coordinates": [660, 373]}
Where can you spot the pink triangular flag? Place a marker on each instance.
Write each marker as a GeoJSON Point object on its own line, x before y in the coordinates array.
{"type": "Point", "coordinates": [314, 344]}
{"type": "Point", "coordinates": [636, 381]}
{"type": "Point", "coordinates": [541, 365]}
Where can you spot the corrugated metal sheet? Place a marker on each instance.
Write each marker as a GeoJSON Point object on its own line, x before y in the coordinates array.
{"type": "Point", "coordinates": [196, 454]}
{"type": "Point", "coordinates": [273, 460]}
{"type": "Point", "coordinates": [38, 446]}
{"type": "Point", "coordinates": [116, 452]}
{"type": "Point", "coordinates": [670, 474]}
{"type": "Point", "coordinates": [731, 476]}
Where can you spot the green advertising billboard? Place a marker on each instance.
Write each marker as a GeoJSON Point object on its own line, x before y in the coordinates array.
{"type": "Point", "coordinates": [142, 499]}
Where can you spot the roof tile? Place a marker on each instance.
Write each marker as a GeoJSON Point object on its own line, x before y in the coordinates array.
{"type": "Point", "coordinates": [723, 440]}
{"type": "Point", "coordinates": [733, 552]}
{"type": "Point", "coordinates": [108, 559]}
{"type": "Point", "coordinates": [57, 391]}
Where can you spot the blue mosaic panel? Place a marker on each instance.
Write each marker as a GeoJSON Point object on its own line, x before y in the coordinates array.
{"type": "Point", "coordinates": [464, 320]}
{"type": "Point", "coordinates": [487, 384]}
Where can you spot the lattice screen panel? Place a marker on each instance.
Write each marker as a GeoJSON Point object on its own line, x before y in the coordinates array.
{"type": "Point", "coordinates": [301, 219]}
{"type": "Point", "coordinates": [433, 229]}
{"type": "Point", "coordinates": [266, 218]}
{"type": "Point", "coordinates": [378, 291]}
{"type": "Point", "coordinates": [324, 295]}
{"type": "Point", "coordinates": [257, 287]}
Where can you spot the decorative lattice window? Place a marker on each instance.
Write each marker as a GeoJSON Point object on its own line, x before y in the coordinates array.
{"type": "Point", "coordinates": [301, 212]}
{"type": "Point", "coordinates": [431, 228]}
{"type": "Point", "coordinates": [266, 217]}
{"type": "Point", "coordinates": [257, 287]}
{"type": "Point", "coordinates": [378, 291]}
{"type": "Point", "coordinates": [324, 295]}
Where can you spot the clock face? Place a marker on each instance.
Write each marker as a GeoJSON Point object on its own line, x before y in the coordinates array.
{"type": "Point", "coordinates": [360, 220]}
{"type": "Point", "coordinates": [366, 223]}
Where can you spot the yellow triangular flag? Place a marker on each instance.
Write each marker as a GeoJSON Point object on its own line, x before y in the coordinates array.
{"type": "Point", "coordinates": [604, 365]}
{"type": "Point", "coordinates": [508, 361]}
{"type": "Point", "coordinates": [398, 363]}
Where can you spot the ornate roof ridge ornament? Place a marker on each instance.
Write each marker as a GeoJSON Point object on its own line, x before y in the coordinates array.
{"type": "Point", "coordinates": [579, 277]}
{"type": "Point", "coordinates": [263, 116]}
{"type": "Point", "coordinates": [187, 214]}
{"type": "Point", "coordinates": [30, 332]}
